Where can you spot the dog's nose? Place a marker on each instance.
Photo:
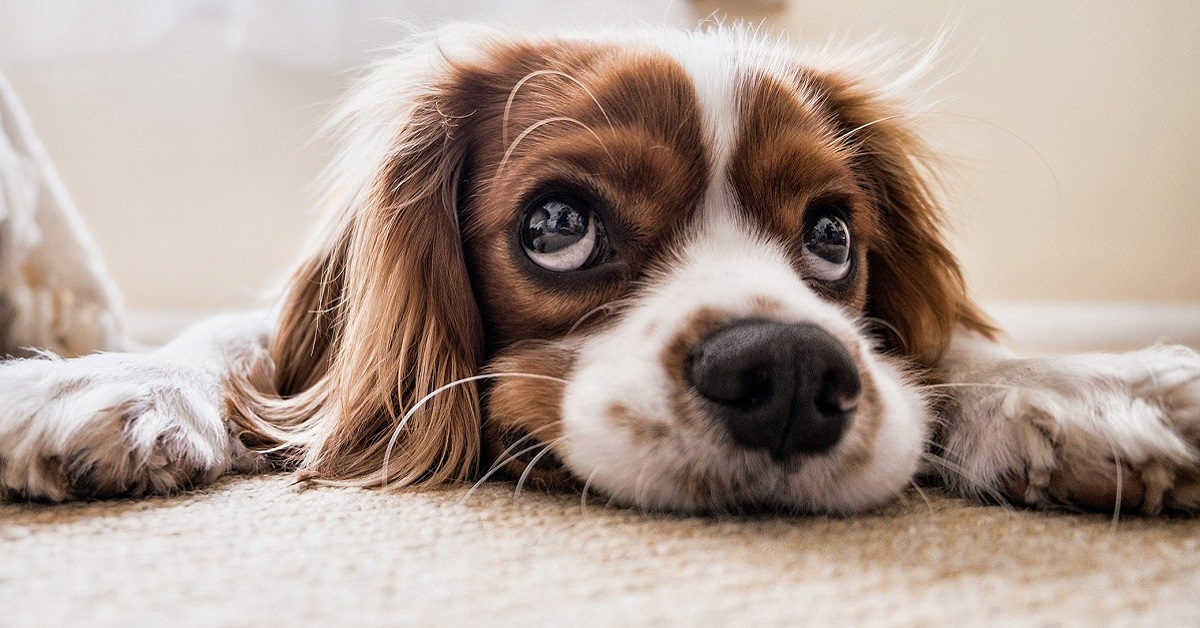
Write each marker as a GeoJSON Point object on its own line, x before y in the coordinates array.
{"type": "Point", "coordinates": [786, 388]}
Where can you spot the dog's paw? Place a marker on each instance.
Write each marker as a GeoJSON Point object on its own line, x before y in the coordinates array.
{"type": "Point", "coordinates": [1087, 431]}
{"type": "Point", "coordinates": [109, 425]}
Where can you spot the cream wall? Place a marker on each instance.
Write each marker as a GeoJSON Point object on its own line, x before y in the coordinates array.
{"type": "Point", "coordinates": [191, 164]}
{"type": "Point", "coordinates": [1073, 129]}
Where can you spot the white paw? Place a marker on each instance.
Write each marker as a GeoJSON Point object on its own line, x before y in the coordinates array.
{"type": "Point", "coordinates": [1090, 431]}
{"type": "Point", "coordinates": [109, 425]}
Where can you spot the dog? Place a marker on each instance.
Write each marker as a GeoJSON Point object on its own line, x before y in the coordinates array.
{"type": "Point", "coordinates": [690, 271]}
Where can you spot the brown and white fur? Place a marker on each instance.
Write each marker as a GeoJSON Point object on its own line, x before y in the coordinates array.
{"type": "Point", "coordinates": [424, 341]}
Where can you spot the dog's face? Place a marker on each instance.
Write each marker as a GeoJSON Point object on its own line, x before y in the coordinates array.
{"type": "Point", "coordinates": [669, 250]}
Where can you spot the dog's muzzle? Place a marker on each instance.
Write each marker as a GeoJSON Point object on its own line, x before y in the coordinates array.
{"type": "Point", "coordinates": [787, 388]}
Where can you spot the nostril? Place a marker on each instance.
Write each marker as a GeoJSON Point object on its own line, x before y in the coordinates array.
{"type": "Point", "coordinates": [839, 393]}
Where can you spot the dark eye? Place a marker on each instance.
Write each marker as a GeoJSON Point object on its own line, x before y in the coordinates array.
{"type": "Point", "coordinates": [827, 244]}
{"type": "Point", "coordinates": [561, 233]}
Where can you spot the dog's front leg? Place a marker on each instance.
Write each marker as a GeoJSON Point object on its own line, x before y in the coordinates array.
{"type": "Point", "coordinates": [1093, 431]}
{"type": "Point", "coordinates": [126, 424]}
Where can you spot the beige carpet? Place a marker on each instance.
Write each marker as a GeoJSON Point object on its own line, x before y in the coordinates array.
{"type": "Point", "coordinates": [259, 551]}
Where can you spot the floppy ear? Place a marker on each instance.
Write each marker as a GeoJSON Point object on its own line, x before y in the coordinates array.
{"type": "Point", "coordinates": [914, 281]}
{"type": "Point", "coordinates": [383, 313]}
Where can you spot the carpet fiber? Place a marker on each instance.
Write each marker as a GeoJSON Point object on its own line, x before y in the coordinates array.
{"type": "Point", "coordinates": [260, 551]}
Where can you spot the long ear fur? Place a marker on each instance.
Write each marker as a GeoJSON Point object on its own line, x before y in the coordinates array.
{"type": "Point", "coordinates": [383, 313]}
{"type": "Point", "coordinates": [915, 284]}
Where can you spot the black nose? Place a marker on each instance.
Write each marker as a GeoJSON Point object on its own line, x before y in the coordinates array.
{"type": "Point", "coordinates": [786, 388]}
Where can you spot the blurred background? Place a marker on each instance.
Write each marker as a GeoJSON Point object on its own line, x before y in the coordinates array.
{"type": "Point", "coordinates": [187, 130]}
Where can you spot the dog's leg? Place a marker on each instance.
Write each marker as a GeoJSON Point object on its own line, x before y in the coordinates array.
{"type": "Point", "coordinates": [126, 424]}
{"type": "Point", "coordinates": [1094, 431]}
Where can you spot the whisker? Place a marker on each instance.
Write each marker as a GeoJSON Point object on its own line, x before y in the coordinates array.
{"type": "Point", "coordinates": [637, 487]}
{"type": "Point", "coordinates": [583, 498]}
{"type": "Point", "coordinates": [605, 308]}
{"type": "Point", "coordinates": [387, 453]}
{"type": "Point", "coordinates": [974, 385]}
{"type": "Point", "coordinates": [495, 469]}
{"type": "Point", "coordinates": [889, 326]}
{"type": "Point", "coordinates": [924, 497]}
{"type": "Point", "coordinates": [1116, 517]}
{"type": "Point", "coordinates": [537, 125]}
{"type": "Point", "coordinates": [975, 484]}
{"type": "Point", "coordinates": [512, 95]}
{"type": "Point", "coordinates": [611, 499]}
{"type": "Point", "coordinates": [529, 468]}
{"type": "Point", "coordinates": [502, 460]}
{"type": "Point", "coordinates": [613, 496]}
{"type": "Point", "coordinates": [845, 136]}
{"type": "Point", "coordinates": [1014, 135]}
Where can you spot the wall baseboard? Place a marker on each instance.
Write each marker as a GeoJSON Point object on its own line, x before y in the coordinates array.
{"type": "Point", "coordinates": [1058, 327]}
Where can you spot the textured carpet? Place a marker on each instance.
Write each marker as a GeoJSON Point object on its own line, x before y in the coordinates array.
{"type": "Point", "coordinates": [259, 551]}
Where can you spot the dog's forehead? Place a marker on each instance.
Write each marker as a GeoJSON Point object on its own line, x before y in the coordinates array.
{"type": "Point", "coordinates": [772, 143]}
{"type": "Point", "coordinates": [713, 68]}
{"type": "Point", "coordinates": [737, 111]}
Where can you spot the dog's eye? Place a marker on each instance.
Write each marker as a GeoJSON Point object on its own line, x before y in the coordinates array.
{"type": "Point", "coordinates": [827, 246]}
{"type": "Point", "coordinates": [561, 233]}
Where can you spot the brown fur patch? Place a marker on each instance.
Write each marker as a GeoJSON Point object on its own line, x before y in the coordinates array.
{"type": "Point", "coordinates": [767, 307]}
{"type": "Point", "coordinates": [685, 408]}
{"type": "Point", "coordinates": [633, 146]}
{"type": "Point", "coordinates": [674, 356]}
{"type": "Point", "coordinates": [642, 429]}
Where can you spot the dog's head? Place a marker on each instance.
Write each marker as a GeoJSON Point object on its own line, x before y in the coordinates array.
{"type": "Point", "coordinates": [695, 266]}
